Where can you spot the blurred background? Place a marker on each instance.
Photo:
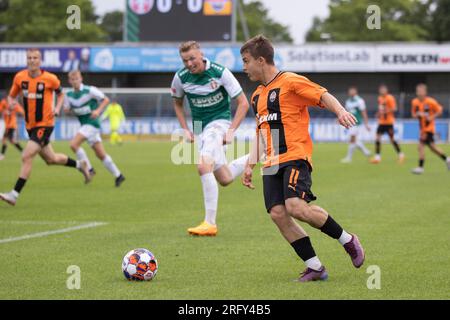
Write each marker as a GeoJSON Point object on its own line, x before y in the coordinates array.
{"type": "Point", "coordinates": [129, 48]}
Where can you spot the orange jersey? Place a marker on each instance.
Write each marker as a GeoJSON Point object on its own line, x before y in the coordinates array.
{"type": "Point", "coordinates": [386, 109]}
{"type": "Point", "coordinates": [9, 116]}
{"type": "Point", "coordinates": [281, 109]}
{"type": "Point", "coordinates": [37, 95]}
{"type": "Point", "coordinates": [423, 109]}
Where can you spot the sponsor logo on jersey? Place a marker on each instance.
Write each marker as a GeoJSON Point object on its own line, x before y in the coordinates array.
{"type": "Point", "coordinates": [273, 96]}
{"type": "Point", "coordinates": [267, 118]}
{"type": "Point", "coordinates": [209, 101]}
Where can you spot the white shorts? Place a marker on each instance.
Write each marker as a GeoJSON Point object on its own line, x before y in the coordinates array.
{"type": "Point", "coordinates": [91, 133]}
{"type": "Point", "coordinates": [354, 131]}
{"type": "Point", "coordinates": [210, 142]}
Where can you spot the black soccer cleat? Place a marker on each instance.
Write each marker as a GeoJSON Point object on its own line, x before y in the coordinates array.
{"type": "Point", "coordinates": [119, 180]}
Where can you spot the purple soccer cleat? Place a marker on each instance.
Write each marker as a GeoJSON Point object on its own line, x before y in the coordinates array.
{"type": "Point", "coordinates": [313, 275]}
{"type": "Point", "coordinates": [355, 251]}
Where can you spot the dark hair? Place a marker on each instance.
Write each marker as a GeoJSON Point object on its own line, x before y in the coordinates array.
{"type": "Point", "coordinates": [259, 46]}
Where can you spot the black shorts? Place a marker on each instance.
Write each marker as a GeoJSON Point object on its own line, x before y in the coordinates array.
{"type": "Point", "coordinates": [9, 133]}
{"type": "Point", "coordinates": [385, 128]}
{"type": "Point", "coordinates": [427, 138]}
{"type": "Point", "coordinates": [40, 135]}
{"type": "Point", "coordinates": [293, 179]}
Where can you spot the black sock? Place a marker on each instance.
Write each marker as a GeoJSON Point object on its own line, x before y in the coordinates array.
{"type": "Point", "coordinates": [4, 148]}
{"type": "Point", "coordinates": [303, 248]}
{"type": "Point", "coordinates": [71, 163]}
{"type": "Point", "coordinates": [443, 157]}
{"type": "Point", "coordinates": [421, 162]}
{"type": "Point", "coordinates": [396, 146]}
{"type": "Point", "coordinates": [19, 184]}
{"type": "Point", "coordinates": [19, 147]}
{"type": "Point", "coordinates": [332, 228]}
{"type": "Point", "coordinates": [377, 147]}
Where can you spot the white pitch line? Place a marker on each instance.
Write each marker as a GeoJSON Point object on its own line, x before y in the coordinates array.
{"type": "Point", "coordinates": [48, 233]}
{"type": "Point", "coordinates": [36, 222]}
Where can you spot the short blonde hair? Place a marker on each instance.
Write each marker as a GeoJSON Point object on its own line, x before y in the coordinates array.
{"type": "Point", "coordinates": [422, 85]}
{"type": "Point", "coordinates": [188, 45]}
{"type": "Point", "coordinates": [73, 73]}
{"type": "Point", "coordinates": [34, 50]}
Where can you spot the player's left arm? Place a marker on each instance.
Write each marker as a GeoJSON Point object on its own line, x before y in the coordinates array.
{"type": "Point", "coordinates": [345, 118]}
{"type": "Point", "coordinates": [60, 96]}
{"type": "Point", "coordinates": [437, 110]}
{"type": "Point", "coordinates": [241, 112]}
{"type": "Point", "coordinates": [235, 91]}
{"type": "Point", "coordinates": [100, 96]}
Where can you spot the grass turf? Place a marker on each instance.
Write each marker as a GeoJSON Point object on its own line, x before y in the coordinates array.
{"type": "Point", "coordinates": [402, 221]}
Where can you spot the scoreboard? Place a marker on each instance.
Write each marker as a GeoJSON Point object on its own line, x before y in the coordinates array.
{"type": "Point", "coordinates": [179, 20]}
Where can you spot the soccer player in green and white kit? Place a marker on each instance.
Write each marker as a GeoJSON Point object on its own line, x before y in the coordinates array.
{"type": "Point", "coordinates": [83, 101]}
{"type": "Point", "coordinates": [356, 106]}
{"type": "Point", "coordinates": [208, 87]}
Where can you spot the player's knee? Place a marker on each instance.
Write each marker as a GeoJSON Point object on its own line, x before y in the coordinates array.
{"type": "Point", "coordinates": [50, 160]}
{"type": "Point", "coordinates": [225, 182]}
{"type": "Point", "coordinates": [277, 214]}
{"type": "Point", "coordinates": [298, 210]}
{"type": "Point", "coordinates": [74, 147]}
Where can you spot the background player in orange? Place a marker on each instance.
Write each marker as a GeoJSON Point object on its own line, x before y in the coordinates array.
{"type": "Point", "coordinates": [426, 109]}
{"type": "Point", "coordinates": [281, 107]}
{"type": "Point", "coordinates": [10, 119]}
{"type": "Point", "coordinates": [386, 119]}
{"type": "Point", "coordinates": [36, 87]}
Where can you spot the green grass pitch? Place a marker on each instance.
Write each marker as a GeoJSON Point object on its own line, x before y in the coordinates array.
{"type": "Point", "coordinates": [402, 220]}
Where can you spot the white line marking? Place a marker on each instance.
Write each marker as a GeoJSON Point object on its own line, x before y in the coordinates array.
{"type": "Point", "coordinates": [37, 222]}
{"type": "Point", "coordinates": [48, 233]}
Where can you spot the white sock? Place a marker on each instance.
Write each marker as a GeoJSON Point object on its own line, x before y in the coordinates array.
{"type": "Point", "coordinates": [109, 164]}
{"type": "Point", "coordinates": [345, 237]}
{"type": "Point", "coordinates": [78, 166]}
{"type": "Point", "coordinates": [210, 197]}
{"type": "Point", "coordinates": [237, 166]}
{"type": "Point", "coordinates": [363, 148]}
{"type": "Point", "coordinates": [351, 150]}
{"type": "Point", "coordinates": [377, 156]}
{"type": "Point", "coordinates": [314, 263]}
{"type": "Point", "coordinates": [81, 155]}
{"type": "Point", "coordinates": [15, 193]}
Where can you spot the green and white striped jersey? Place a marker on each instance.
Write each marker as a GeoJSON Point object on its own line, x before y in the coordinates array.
{"type": "Point", "coordinates": [208, 93]}
{"type": "Point", "coordinates": [83, 102]}
{"type": "Point", "coordinates": [355, 105]}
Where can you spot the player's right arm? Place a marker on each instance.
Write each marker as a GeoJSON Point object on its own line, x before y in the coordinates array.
{"type": "Point", "coordinates": [13, 92]}
{"type": "Point", "coordinates": [179, 111]}
{"type": "Point", "coordinates": [178, 97]}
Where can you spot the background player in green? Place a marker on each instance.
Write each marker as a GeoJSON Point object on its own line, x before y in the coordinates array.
{"type": "Point", "coordinates": [116, 116]}
{"type": "Point", "coordinates": [208, 87]}
{"type": "Point", "coordinates": [83, 101]}
{"type": "Point", "coordinates": [356, 106]}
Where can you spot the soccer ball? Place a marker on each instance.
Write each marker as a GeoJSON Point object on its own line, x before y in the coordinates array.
{"type": "Point", "coordinates": [139, 264]}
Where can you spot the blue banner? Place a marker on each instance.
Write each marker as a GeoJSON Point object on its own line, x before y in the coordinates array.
{"type": "Point", "coordinates": [54, 59]}
{"type": "Point", "coordinates": [321, 130]}
{"type": "Point", "coordinates": [156, 59]}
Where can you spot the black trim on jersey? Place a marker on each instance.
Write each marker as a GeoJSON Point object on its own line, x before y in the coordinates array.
{"type": "Point", "coordinates": [278, 74]}
{"type": "Point", "coordinates": [255, 104]}
{"type": "Point", "coordinates": [40, 88]}
{"type": "Point", "coordinates": [273, 107]}
{"type": "Point", "coordinates": [24, 86]}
